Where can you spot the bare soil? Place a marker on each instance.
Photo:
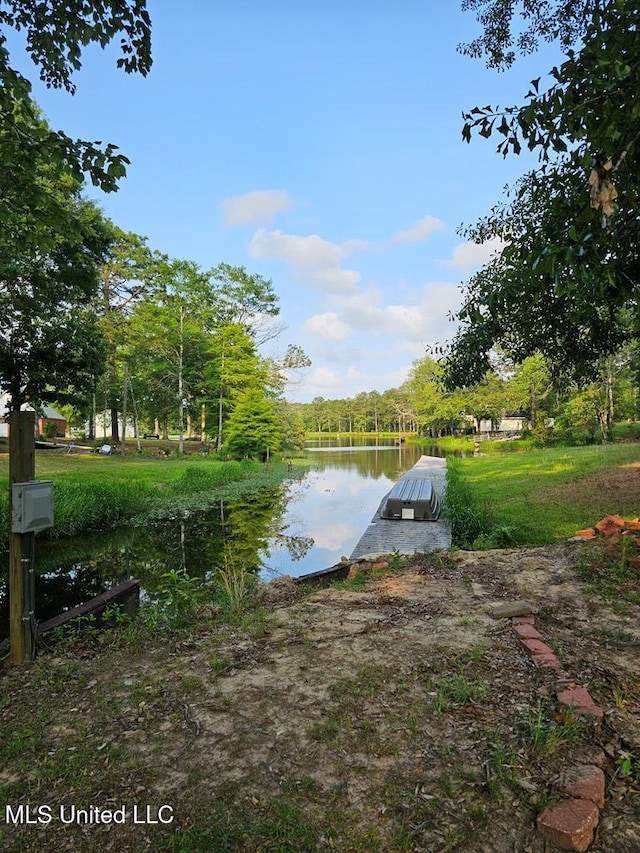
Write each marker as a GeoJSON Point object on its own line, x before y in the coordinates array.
{"type": "Point", "coordinates": [397, 717]}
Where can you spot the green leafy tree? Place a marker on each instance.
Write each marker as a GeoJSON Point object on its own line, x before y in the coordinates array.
{"type": "Point", "coordinates": [588, 409]}
{"type": "Point", "coordinates": [129, 271]}
{"type": "Point", "coordinates": [530, 387]}
{"type": "Point", "coordinates": [245, 299]}
{"type": "Point", "coordinates": [233, 367]}
{"type": "Point", "coordinates": [570, 265]}
{"type": "Point", "coordinates": [291, 422]}
{"type": "Point", "coordinates": [253, 428]}
{"type": "Point", "coordinates": [50, 343]}
{"type": "Point", "coordinates": [168, 341]}
{"type": "Point", "coordinates": [55, 35]}
{"type": "Point", "coordinates": [485, 400]}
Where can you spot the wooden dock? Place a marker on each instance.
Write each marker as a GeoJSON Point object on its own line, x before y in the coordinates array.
{"type": "Point", "coordinates": [384, 536]}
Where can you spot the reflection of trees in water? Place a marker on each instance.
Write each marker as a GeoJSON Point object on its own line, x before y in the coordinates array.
{"type": "Point", "coordinates": [71, 571]}
{"type": "Point", "coordinates": [372, 462]}
{"type": "Point", "coordinates": [254, 524]}
{"type": "Point", "coordinates": [231, 533]}
{"type": "Point", "coordinates": [297, 546]}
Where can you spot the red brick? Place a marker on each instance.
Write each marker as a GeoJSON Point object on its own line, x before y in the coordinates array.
{"type": "Point", "coordinates": [610, 524]}
{"type": "Point", "coordinates": [587, 533]}
{"type": "Point", "coordinates": [570, 825]}
{"type": "Point", "coordinates": [580, 699]}
{"type": "Point", "coordinates": [536, 647]}
{"type": "Point", "coordinates": [585, 782]}
{"type": "Point", "coordinates": [527, 632]}
{"type": "Point", "coordinates": [523, 620]}
{"type": "Point", "coordinates": [550, 661]}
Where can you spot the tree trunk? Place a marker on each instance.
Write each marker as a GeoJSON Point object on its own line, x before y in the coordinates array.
{"type": "Point", "coordinates": [115, 433]}
{"type": "Point", "coordinates": [203, 425]}
{"type": "Point", "coordinates": [124, 411]}
{"type": "Point", "coordinates": [181, 383]}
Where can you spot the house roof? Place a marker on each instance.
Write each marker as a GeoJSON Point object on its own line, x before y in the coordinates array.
{"type": "Point", "coordinates": [45, 411]}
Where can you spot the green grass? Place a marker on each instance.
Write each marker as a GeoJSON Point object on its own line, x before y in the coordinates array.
{"type": "Point", "coordinates": [537, 497]}
{"type": "Point", "coordinates": [93, 492]}
{"type": "Point", "coordinates": [609, 576]}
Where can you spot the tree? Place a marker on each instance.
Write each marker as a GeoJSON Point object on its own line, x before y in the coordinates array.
{"type": "Point", "coordinates": [588, 409]}
{"type": "Point", "coordinates": [529, 387]}
{"type": "Point", "coordinates": [129, 271]}
{"type": "Point", "coordinates": [502, 36]}
{"type": "Point", "coordinates": [232, 368]}
{"type": "Point", "coordinates": [168, 341]}
{"type": "Point", "coordinates": [292, 425]}
{"type": "Point", "coordinates": [245, 299]}
{"type": "Point", "coordinates": [56, 34]}
{"type": "Point", "coordinates": [253, 428]}
{"type": "Point", "coordinates": [571, 262]}
{"type": "Point", "coordinates": [50, 344]}
{"type": "Point", "coordinates": [280, 370]}
{"type": "Point", "coordinates": [485, 400]}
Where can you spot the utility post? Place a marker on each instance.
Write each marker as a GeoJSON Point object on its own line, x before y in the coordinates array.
{"type": "Point", "coordinates": [22, 468]}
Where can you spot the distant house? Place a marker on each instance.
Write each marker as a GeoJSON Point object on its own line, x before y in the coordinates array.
{"type": "Point", "coordinates": [45, 415]}
{"type": "Point", "coordinates": [51, 416]}
{"type": "Point", "coordinates": [510, 422]}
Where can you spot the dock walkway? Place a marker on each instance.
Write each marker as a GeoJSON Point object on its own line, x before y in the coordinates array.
{"type": "Point", "coordinates": [384, 535]}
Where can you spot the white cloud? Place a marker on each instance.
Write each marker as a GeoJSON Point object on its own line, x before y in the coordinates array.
{"type": "Point", "coordinates": [357, 245]}
{"type": "Point", "coordinates": [254, 207]}
{"type": "Point", "coordinates": [307, 251]}
{"type": "Point", "coordinates": [426, 320]}
{"type": "Point", "coordinates": [420, 230]}
{"type": "Point", "coordinates": [469, 256]}
{"type": "Point", "coordinates": [334, 535]}
{"type": "Point", "coordinates": [323, 382]}
{"type": "Point", "coordinates": [327, 325]}
{"type": "Point", "coordinates": [315, 261]}
{"type": "Point", "coordinates": [341, 383]}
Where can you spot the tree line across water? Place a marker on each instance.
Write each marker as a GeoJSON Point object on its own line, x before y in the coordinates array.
{"type": "Point", "coordinates": [572, 412]}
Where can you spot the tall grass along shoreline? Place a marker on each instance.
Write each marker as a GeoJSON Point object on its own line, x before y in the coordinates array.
{"type": "Point", "coordinates": [95, 493]}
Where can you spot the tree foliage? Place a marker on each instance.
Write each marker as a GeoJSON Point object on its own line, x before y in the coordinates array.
{"type": "Point", "coordinates": [253, 428]}
{"type": "Point", "coordinates": [56, 34]}
{"type": "Point", "coordinates": [50, 343]}
{"type": "Point", "coordinates": [510, 27]}
{"type": "Point", "coordinates": [566, 281]}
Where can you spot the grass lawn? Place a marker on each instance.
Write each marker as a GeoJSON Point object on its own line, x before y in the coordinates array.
{"type": "Point", "coordinates": [93, 492]}
{"type": "Point", "coordinates": [541, 496]}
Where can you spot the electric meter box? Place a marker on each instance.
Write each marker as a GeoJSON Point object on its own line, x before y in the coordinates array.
{"type": "Point", "coordinates": [31, 506]}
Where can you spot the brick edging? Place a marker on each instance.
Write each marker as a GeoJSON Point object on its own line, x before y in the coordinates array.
{"type": "Point", "coordinates": [570, 825]}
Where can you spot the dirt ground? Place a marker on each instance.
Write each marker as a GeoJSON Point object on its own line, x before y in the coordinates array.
{"type": "Point", "coordinates": [396, 717]}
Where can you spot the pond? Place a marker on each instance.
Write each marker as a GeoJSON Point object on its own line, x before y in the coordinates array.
{"type": "Point", "coordinates": [304, 525]}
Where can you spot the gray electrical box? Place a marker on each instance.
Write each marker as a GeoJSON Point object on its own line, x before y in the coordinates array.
{"type": "Point", "coordinates": [31, 506]}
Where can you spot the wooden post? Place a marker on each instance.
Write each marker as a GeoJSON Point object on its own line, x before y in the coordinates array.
{"type": "Point", "coordinates": [22, 468]}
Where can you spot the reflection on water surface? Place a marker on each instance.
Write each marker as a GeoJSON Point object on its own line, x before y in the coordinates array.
{"type": "Point", "coordinates": [303, 526]}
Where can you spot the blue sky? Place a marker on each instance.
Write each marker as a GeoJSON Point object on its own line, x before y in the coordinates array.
{"type": "Point", "coordinates": [318, 144]}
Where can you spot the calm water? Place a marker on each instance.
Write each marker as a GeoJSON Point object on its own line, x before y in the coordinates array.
{"type": "Point", "coordinates": [335, 502]}
{"type": "Point", "coordinates": [302, 526]}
